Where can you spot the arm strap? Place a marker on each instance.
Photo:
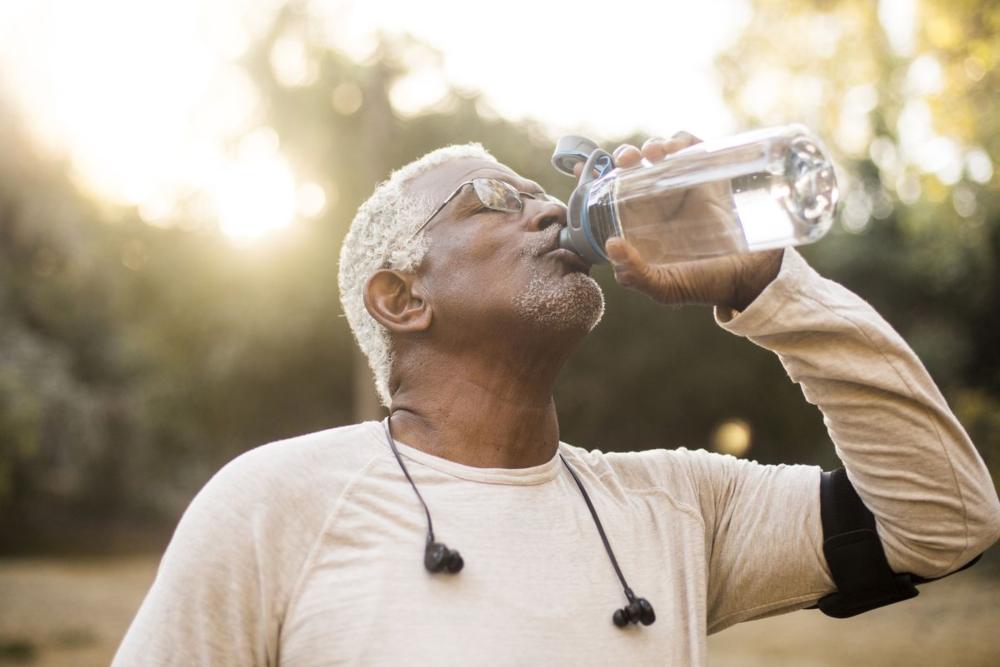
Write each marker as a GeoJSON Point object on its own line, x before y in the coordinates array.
{"type": "Point", "coordinates": [855, 555]}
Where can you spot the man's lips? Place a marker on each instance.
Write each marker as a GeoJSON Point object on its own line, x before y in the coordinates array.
{"type": "Point", "coordinates": [570, 259]}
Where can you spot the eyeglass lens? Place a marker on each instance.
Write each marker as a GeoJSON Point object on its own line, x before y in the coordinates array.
{"type": "Point", "coordinates": [501, 196]}
{"type": "Point", "coordinates": [497, 195]}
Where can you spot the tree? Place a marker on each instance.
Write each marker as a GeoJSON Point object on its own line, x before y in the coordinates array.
{"type": "Point", "coordinates": [911, 114]}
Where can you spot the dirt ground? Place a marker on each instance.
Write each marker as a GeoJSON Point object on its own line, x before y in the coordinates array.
{"type": "Point", "coordinates": [59, 613]}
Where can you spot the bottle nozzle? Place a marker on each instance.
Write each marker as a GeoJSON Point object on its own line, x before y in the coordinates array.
{"type": "Point", "coordinates": [577, 236]}
{"type": "Point", "coordinates": [566, 240]}
{"type": "Point", "coordinates": [572, 150]}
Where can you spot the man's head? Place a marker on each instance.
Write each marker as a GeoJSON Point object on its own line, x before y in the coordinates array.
{"type": "Point", "coordinates": [472, 277]}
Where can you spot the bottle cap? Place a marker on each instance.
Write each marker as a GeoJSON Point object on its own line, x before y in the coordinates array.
{"type": "Point", "coordinates": [572, 150]}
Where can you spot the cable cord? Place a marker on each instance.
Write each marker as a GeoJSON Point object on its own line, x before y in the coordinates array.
{"type": "Point", "coordinates": [439, 558]}
{"type": "Point", "coordinates": [399, 459]}
{"type": "Point", "coordinates": [600, 529]}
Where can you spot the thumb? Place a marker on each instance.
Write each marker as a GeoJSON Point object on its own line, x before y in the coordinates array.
{"type": "Point", "coordinates": [631, 270]}
{"type": "Point", "coordinates": [670, 284]}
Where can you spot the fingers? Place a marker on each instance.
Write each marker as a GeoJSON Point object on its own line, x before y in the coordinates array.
{"type": "Point", "coordinates": [630, 269]}
{"type": "Point", "coordinates": [672, 285]}
{"type": "Point", "coordinates": [686, 138]}
{"type": "Point", "coordinates": [621, 251]}
{"type": "Point", "coordinates": [626, 156]}
{"type": "Point", "coordinates": [655, 148]}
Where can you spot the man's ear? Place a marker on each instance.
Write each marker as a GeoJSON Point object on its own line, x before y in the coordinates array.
{"type": "Point", "coordinates": [392, 298]}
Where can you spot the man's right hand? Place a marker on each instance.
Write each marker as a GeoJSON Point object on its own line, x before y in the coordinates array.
{"type": "Point", "coordinates": [732, 281]}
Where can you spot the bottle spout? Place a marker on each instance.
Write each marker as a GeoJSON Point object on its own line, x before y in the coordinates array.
{"type": "Point", "coordinates": [577, 236]}
{"type": "Point", "coordinates": [572, 150]}
{"type": "Point", "coordinates": [566, 241]}
{"type": "Point", "coordinates": [576, 239]}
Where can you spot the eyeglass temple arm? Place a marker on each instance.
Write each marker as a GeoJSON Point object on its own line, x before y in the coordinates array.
{"type": "Point", "coordinates": [441, 206]}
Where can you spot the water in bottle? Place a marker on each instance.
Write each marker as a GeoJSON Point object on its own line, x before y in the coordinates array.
{"type": "Point", "coordinates": [754, 191]}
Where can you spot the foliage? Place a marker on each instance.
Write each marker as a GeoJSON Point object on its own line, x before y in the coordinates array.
{"type": "Point", "coordinates": [137, 359]}
{"type": "Point", "coordinates": [917, 131]}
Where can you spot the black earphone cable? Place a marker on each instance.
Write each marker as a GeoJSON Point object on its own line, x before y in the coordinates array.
{"type": "Point", "coordinates": [399, 459]}
{"type": "Point", "coordinates": [600, 529]}
{"type": "Point", "coordinates": [439, 558]}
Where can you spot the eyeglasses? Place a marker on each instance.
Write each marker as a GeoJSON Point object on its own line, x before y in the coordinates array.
{"type": "Point", "coordinates": [493, 194]}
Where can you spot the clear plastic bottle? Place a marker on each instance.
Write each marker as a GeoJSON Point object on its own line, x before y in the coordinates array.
{"type": "Point", "coordinates": [753, 191]}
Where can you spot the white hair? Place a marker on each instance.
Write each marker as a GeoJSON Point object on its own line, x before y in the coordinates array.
{"type": "Point", "coordinates": [381, 236]}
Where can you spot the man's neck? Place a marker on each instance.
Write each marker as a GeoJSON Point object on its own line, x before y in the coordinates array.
{"type": "Point", "coordinates": [487, 411]}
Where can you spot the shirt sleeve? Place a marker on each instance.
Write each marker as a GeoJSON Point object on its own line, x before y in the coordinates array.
{"type": "Point", "coordinates": [224, 579]}
{"type": "Point", "coordinates": [904, 451]}
{"type": "Point", "coordinates": [764, 537]}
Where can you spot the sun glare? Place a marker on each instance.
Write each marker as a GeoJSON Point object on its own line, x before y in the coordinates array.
{"type": "Point", "coordinates": [143, 98]}
{"type": "Point", "coordinates": [256, 193]}
{"type": "Point", "coordinates": [732, 437]}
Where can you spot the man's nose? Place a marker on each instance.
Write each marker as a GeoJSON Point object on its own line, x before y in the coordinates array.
{"type": "Point", "coordinates": [545, 213]}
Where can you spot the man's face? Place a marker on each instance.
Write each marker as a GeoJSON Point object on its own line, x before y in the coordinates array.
{"type": "Point", "coordinates": [490, 271]}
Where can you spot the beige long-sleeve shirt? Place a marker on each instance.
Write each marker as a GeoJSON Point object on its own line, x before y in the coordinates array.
{"type": "Point", "coordinates": [309, 551]}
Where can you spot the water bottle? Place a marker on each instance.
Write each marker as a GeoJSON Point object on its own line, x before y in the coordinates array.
{"type": "Point", "coordinates": [758, 190]}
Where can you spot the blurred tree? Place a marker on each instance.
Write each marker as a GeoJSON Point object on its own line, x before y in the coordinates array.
{"type": "Point", "coordinates": [613, 394]}
{"type": "Point", "coordinates": [910, 105]}
{"type": "Point", "coordinates": [135, 359]}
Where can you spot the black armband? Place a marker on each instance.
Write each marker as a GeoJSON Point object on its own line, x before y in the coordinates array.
{"type": "Point", "coordinates": [855, 554]}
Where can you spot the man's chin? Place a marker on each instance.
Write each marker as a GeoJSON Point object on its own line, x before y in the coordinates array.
{"type": "Point", "coordinates": [573, 302]}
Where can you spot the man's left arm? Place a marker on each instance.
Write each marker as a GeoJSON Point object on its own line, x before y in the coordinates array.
{"type": "Point", "coordinates": [904, 451]}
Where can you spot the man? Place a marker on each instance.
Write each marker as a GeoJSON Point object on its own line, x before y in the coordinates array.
{"type": "Point", "coordinates": [309, 551]}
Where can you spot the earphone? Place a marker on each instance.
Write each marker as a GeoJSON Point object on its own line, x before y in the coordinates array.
{"type": "Point", "coordinates": [439, 558]}
{"type": "Point", "coordinates": [636, 611]}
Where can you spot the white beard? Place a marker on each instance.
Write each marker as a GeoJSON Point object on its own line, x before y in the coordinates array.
{"type": "Point", "coordinates": [573, 302]}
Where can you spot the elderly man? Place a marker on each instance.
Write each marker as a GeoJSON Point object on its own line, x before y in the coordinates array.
{"type": "Point", "coordinates": [318, 551]}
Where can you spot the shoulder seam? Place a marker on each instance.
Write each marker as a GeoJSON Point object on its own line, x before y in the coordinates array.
{"type": "Point", "coordinates": [334, 509]}
{"type": "Point", "coordinates": [654, 488]}
{"type": "Point", "coordinates": [678, 505]}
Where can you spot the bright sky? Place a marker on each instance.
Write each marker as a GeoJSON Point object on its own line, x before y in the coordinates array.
{"type": "Point", "coordinates": [141, 95]}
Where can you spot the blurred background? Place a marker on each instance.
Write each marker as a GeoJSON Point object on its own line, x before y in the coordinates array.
{"type": "Point", "coordinates": [176, 178]}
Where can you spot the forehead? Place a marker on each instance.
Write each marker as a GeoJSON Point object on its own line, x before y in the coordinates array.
{"type": "Point", "coordinates": [441, 181]}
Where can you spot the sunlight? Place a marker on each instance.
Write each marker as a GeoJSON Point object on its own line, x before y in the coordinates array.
{"type": "Point", "coordinates": [142, 98]}
{"type": "Point", "coordinates": [899, 19]}
{"type": "Point", "coordinates": [662, 82]}
{"type": "Point", "coordinates": [256, 193]}
{"type": "Point", "coordinates": [732, 437]}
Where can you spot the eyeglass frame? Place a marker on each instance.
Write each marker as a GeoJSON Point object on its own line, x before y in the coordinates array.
{"type": "Point", "coordinates": [544, 196]}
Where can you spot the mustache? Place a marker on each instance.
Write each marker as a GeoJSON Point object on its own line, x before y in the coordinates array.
{"type": "Point", "coordinates": [542, 242]}
{"type": "Point", "coordinates": [546, 242]}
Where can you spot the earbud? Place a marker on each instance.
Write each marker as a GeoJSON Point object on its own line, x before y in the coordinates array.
{"type": "Point", "coordinates": [637, 611]}
{"type": "Point", "coordinates": [438, 558]}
